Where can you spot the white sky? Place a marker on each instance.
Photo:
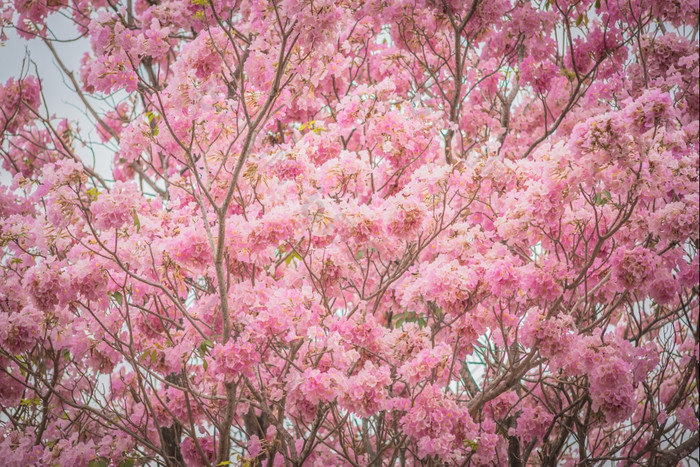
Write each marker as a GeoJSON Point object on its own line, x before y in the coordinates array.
{"type": "Point", "coordinates": [61, 100]}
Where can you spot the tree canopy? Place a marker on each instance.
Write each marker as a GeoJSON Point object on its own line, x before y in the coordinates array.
{"type": "Point", "coordinates": [357, 233]}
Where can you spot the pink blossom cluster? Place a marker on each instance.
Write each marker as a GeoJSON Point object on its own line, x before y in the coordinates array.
{"type": "Point", "coordinates": [19, 99]}
{"type": "Point", "coordinates": [114, 209]}
{"type": "Point", "coordinates": [439, 426]}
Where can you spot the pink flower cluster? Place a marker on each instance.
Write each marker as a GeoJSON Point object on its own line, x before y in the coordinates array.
{"type": "Point", "coordinates": [552, 336]}
{"type": "Point", "coordinates": [20, 331]}
{"type": "Point", "coordinates": [611, 388]}
{"type": "Point", "coordinates": [366, 390]}
{"type": "Point", "coordinates": [115, 209]}
{"type": "Point", "coordinates": [17, 101]}
{"type": "Point", "coordinates": [633, 267]}
{"type": "Point", "coordinates": [426, 363]}
{"type": "Point", "coordinates": [439, 425]}
{"type": "Point", "coordinates": [45, 283]}
{"type": "Point", "coordinates": [533, 423]}
{"type": "Point", "coordinates": [233, 359]}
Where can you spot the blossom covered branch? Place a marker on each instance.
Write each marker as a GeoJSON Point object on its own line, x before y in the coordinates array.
{"type": "Point", "coordinates": [353, 233]}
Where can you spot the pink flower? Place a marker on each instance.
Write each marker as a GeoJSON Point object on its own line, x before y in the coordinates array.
{"type": "Point", "coordinates": [438, 425]}
{"type": "Point", "coordinates": [115, 208]}
{"type": "Point", "coordinates": [552, 335]}
{"type": "Point", "coordinates": [687, 417]}
{"type": "Point", "coordinates": [254, 446]}
{"type": "Point", "coordinates": [232, 359]}
{"type": "Point", "coordinates": [46, 284]}
{"type": "Point", "coordinates": [533, 423]}
{"type": "Point", "coordinates": [366, 391]}
{"type": "Point", "coordinates": [502, 278]}
{"type": "Point", "coordinates": [611, 389]}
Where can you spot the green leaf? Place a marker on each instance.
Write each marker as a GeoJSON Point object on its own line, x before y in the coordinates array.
{"type": "Point", "coordinates": [205, 365]}
{"type": "Point", "coordinates": [118, 297]}
{"type": "Point", "coordinates": [29, 402]}
{"type": "Point", "coordinates": [471, 444]}
{"type": "Point", "coordinates": [597, 4]}
{"type": "Point", "coordinates": [93, 193]}
{"type": "Point", "coordinates": [154, 355]}
{"type": "Point", "coordinates": [137, 221]}
{"type": "Point", "coordinates": [224, 463]}
{"type": "Point", "coordinates": [309, 125]}
{"type": "Point", "coordinates": [409, 317]}
{"type": "Point", "coordinates": [126, 463]}
{"type": "Point", "coordinates": [292, 257]}
{"type": "Point", "coordinates": [602, 198]}
{"type": "Point", "coordinates": [568, 74]}
{"type": "Point", "coordinates": [99, 462]}
{"type": "Point", "coordinates": [579, 19]}
{"type": "Point", "coordinates": [205, 346]}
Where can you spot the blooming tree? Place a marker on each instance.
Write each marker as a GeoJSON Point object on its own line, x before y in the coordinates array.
{"type": "Point", "coordinates": [411, 232]}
